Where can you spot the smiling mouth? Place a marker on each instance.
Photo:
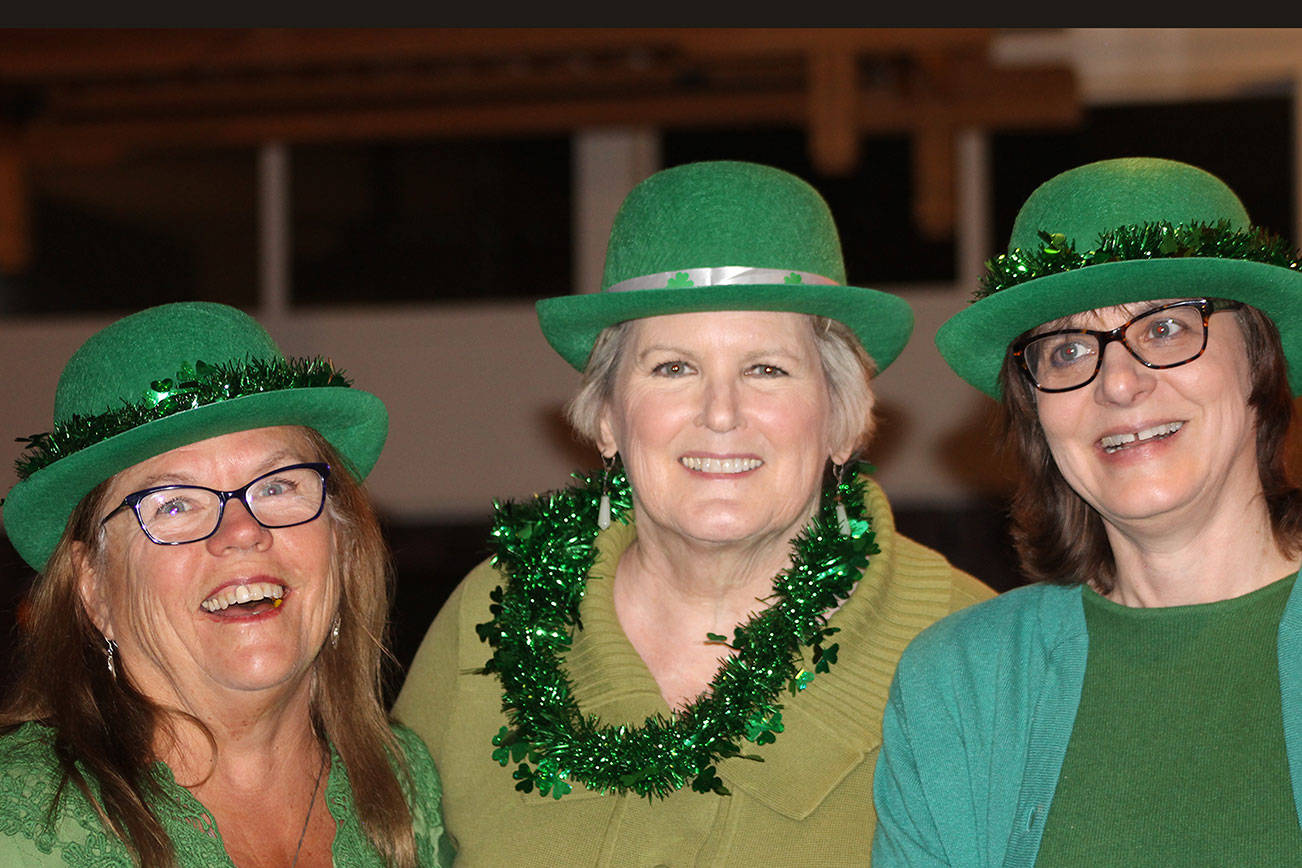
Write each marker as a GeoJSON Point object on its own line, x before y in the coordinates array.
{"type": "Point", "coordinates": [719, 465]}
{"type": "Point", "coordinates": [250, 599]}
{"type": "Point", "coordinates": [1114, 442]}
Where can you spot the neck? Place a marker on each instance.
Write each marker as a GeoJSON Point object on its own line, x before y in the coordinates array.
{"type": "Point", "coordinates": [679, 573]}
{"type": "Point", "coordinates": [258, 741]}
{"type": "Point", "coordinates": [1228, 553]}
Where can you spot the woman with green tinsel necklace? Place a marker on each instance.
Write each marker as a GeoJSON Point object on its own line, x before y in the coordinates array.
{"type": "Point", "coordinates": [683, 659]}
{"type": "Point", "coordinates": [1140, 703]}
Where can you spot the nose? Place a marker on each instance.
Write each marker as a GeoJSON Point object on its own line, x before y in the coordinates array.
{"type": "Point", "coordinates": [721, 406]}
{"type": "Point", "coordinates": [238, 529]}
{"type": "Point", "coordinates": [1122, 379]}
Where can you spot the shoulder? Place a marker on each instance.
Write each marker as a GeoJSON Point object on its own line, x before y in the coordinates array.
{"type": "Point", "coordinates": [1022, 622]}
{"type": "Point", "coordinates": [34, 830]}
{"type": "Point", "coordinates": [425, 799]}
{"type": "Point", "coordinates": [469, 602]}
{"type": "Point", "coordinates": [449, 654]}
{"type": "Point", "coordinates": [30, 773]}
{"type": "Point", "coordinates": [452, 638]}
{"type": "Point", "coordinates": [923, 574]}
{"type": "Point", "coordinates": [426, 788]}
{"type": "Point", "coordinates": [29, 744]}
{"type": "Point", "coordinates": [920, 563]}
{"type": "Point", "coordinates": [417, 755]}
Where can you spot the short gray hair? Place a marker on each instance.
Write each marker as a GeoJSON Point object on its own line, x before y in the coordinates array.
{"type": "Point", "coordinates": [846, 365]}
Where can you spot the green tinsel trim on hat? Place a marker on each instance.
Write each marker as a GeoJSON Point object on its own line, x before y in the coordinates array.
{"type": "Point", "coordinates": [193, 386]}
{"type": "Point", "coordinates": [1160, 240]}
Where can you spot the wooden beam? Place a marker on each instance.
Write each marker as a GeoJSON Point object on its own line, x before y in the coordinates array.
{"type": "Point", "coordinates": [409, 85]}
{"type": "Point", "coordinates": [96, 94]}
{"type": "Point", "coordinates": [15, 224]}
{"type": "Point", "coordinates": [51, 54]}
{"type": "Point", "coordinates": [55, 140]}
{"type": "Point", "coordinates": [833, 134]}
{"type": "Point", "coordinates": [933, 180]}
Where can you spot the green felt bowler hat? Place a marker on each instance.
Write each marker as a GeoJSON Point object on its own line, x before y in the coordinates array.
{"type": "Point", "coordinates": [1120, 231]}
{"type": "Point", "coordinates": [165, 377]}
{"type": "Point", "coordinates": [724, 235]}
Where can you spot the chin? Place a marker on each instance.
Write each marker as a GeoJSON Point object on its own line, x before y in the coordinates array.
{"type": "Point", "coordinates": [259, 680]}
{"type": "Point", "coordinates": [738, 529]}
{"type": "Point", "coordinates": [255, 671]}
{"type": "Point", "coordinates": [1150, 505]}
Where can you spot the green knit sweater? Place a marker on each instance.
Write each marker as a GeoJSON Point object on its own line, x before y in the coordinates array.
{"type": "Point", "coordinates": [808, 803]}
{"type": "Point", "coordinates": [30, 775]}
{"type": "Point", "coordinates": [1177, 755]}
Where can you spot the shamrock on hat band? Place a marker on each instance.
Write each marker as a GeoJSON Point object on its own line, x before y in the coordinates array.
{"type": "Point", "coordinates": [725, 275]}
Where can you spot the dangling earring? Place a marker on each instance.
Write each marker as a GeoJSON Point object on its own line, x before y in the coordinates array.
{"type": "Point", "coordinates": [603, 508]}
{"type": "Point", "coordinates": [110, 649]}
{"type": "Point", "coordinates": [843, 520]}
{"type": "Point", "coordinates": [334, 633]}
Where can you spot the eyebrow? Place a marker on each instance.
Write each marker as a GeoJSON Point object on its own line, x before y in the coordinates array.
{"type": "Point", "coordinates": [271, 462]}
{"type": "Point", "coordinates": [1131, 310]}
{"type": "Point", "coordinates": [764, 352]}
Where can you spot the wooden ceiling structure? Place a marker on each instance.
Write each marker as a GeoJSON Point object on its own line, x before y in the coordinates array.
{"type": "Point", "coordinates": [90, 96]}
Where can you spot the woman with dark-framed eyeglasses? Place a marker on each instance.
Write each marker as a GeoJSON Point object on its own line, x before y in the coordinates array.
{"type": "Point", "coordinates": [1141, 702]}
{"type": "Point", "coordinates": [199, 677]}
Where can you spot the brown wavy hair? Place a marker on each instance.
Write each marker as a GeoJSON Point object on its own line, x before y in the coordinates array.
{"type": "Point", "coordinates": [1060, 538]}
{"type": "Point", "coordinates": [108, 726]}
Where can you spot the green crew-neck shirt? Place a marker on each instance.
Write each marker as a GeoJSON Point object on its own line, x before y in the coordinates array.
{"type": "Point", "coordinates": [1177, 753]}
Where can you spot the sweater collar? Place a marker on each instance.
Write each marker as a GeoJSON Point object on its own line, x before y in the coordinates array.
{"type": "Point", "coordinates": [830, 727]}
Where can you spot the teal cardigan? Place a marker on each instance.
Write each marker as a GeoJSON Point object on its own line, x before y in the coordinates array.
{"type": "Point", "coordinates": [981, 709]}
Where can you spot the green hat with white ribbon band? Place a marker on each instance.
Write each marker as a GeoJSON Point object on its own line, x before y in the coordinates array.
{"type": "Point", "coordinates": [724, 235]}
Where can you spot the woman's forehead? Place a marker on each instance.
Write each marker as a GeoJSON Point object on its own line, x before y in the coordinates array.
{"type": "Point", "coordinates": [735, 324]}
{"type": "Point", "coordinates": [194, 462]}
{"type": "Point", "coordinates": [1104, 317]}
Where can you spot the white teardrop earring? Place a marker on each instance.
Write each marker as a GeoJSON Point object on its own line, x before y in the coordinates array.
{"type": "Point", "coordinates": [603, 507]}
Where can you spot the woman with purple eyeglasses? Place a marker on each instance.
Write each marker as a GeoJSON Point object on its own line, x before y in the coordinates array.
{"type": "Point", "coordinates": [199, 676]}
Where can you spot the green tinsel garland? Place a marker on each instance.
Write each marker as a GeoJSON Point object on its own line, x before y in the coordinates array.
{"type": "Point", "coordinates": [1160, 240]}
{"type": "Point", "coordinates": [545, 549]}
{"type": "Point", "coordinates": [193, 386]}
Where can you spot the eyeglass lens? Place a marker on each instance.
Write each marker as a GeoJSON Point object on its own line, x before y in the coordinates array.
{"type": "Point", "coordinates": [1160, 338]}
{"type": "Point", "coordinates": [185, 513]}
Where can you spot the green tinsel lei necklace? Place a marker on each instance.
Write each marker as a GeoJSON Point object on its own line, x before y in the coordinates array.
{"type": "Point", "coordinates": [544, 547]}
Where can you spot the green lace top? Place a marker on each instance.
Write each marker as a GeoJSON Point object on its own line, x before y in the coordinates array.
{"type": "Point", "coordinates": [30, 775]}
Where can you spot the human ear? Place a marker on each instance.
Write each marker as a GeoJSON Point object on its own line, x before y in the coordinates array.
{"type": "Point", "coordinates": [90, 588]}
{"type": "Point", "coordinates": [853, 437]}
{"type": "Point", "coordinates": [606, 441]}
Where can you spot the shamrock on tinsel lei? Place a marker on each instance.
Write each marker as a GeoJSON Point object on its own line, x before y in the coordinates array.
{"type": "Point", "coordinates": [544, 547]}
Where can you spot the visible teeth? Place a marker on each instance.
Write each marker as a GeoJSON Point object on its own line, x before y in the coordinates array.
{"type": "Point", "coordinates": [1113, 442]}
{"type": "Point", "coordinates": [719, 465]}
{"type": "Point", "coordinates": [249, 593]}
